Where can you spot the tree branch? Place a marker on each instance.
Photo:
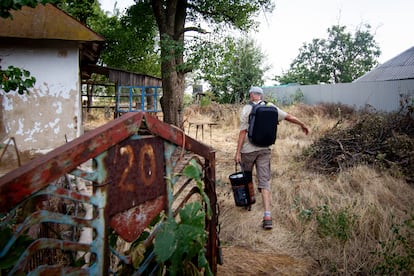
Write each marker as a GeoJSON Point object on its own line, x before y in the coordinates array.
{"type": "Point", "coordinates": [185, 68]}
{"type": "Point", "coordinates": [195, 29]}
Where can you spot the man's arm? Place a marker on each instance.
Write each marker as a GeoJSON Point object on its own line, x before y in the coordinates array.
{"type": "Point", "coordinates": [292, 119]}
{"type": "Point", "coordinates": [240, 141]}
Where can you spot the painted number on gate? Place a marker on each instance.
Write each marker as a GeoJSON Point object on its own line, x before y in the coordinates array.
{"type": "Point", "coordinates": [146, 155]}
{"type": "Point", "coordinates": [145, 166]}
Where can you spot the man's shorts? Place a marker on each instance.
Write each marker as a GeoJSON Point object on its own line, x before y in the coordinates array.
{"type": "Point", "coordinates": [262, 160]}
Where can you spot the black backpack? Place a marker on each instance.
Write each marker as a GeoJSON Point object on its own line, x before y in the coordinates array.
{"type": "Point", "coordinates": [263, 121]}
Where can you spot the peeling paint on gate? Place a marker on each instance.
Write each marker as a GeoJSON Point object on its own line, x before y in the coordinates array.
{"type": "Point", "coordinates": [133, 156]}
{"type": "Point", "coordinates": [131, 223]}
{"type": "Point", "coordinates": [133, 169]}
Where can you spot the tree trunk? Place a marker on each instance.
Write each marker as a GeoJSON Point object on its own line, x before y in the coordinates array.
{"type": "Point", "coordinates": [170, 17]}
{"type": "Point", "coordinates": [173, 97]}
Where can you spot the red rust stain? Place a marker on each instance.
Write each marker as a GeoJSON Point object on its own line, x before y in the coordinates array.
{"type": "Point", "coordinates": [131, 223]}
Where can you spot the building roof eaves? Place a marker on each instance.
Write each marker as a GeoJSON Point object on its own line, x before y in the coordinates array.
{"type": "Point", "coordinates": [46, 22]}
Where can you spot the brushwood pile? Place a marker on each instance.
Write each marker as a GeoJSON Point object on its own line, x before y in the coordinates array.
{"type": "Point", "coordinates": [384, 141]}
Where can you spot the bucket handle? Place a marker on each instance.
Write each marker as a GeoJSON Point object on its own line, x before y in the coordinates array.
{"type": "Point", "coordinates": [241, 167]}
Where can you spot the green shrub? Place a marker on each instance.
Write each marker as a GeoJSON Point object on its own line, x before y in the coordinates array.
{"type": "Point", "coordinates": [397, 254]}
{"type": "Point", "coordinates": [181, 242]}
{"type": "Point", "coordinates": [338, 224]}
{"type": "Point", "coordinates": [188, 99]}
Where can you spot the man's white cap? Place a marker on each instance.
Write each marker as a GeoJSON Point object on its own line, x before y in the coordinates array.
{"type": "Point", "coordinates": [256, 89]}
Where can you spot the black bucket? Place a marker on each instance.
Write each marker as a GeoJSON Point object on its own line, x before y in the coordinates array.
{"type": "Point", "coordinates": [242, 186]}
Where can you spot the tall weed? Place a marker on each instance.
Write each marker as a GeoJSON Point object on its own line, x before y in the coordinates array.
{"type": "Point", "coordinates": [397, 254]}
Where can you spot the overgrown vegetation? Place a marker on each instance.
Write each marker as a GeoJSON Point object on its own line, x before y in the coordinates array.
{"type": "Point", "coordinates": [337, 224]}
{"type": "Point", "coordinates": [180, 241]}
{"type": "Point", "coordinates": [397, 254]}
{"type": "Point", "coordinates": [354, 220]}
{"type": "Point", "coordinates": [382, 140]}
{"type": "Point", "coordinates": [351, 218]}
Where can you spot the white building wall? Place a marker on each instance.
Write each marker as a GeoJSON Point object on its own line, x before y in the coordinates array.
{"type": "Point", "coordinates": [50, 114]}
{"type": "Point", "coordinates": [381, 95]}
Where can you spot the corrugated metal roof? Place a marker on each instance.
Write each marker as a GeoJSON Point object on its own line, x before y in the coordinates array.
{"type": "Point", "coordinates": [400, 67]}
{"type": "Point", "coordinates": [45, 22]}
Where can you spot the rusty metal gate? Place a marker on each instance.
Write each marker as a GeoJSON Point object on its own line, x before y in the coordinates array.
{"type": "Point", "coordinates": [113, 185]}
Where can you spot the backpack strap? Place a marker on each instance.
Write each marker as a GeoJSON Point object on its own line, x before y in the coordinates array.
{"type": "Point", "coordinates": [261, 101]}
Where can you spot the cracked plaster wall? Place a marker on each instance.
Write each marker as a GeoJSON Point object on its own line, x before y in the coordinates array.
{"type": "Point", "coordinates": [50, 114]}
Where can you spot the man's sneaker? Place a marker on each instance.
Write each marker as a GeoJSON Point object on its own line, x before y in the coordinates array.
{"type": "Point", "coordinates": [267, 223]}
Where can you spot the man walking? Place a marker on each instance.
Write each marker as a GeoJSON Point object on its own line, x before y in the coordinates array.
{"type": "Point", "coordinates": [249, 155]}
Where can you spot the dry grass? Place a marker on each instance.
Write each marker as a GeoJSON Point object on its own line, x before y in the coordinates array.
{"type": "Point", "coordinates": [373, 200]}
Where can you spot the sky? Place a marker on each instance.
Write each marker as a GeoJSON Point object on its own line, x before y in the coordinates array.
{"type": "Point", "coordinates": [295, 22]}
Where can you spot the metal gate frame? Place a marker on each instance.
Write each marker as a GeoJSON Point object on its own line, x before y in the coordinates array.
{"type": "Point", "coordinates": [132, 157]}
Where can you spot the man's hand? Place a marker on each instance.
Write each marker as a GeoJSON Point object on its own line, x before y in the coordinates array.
{"type": "Point", "coordinates": [305, 129]}
{"type": "Point", "coordinates": [237, 157]}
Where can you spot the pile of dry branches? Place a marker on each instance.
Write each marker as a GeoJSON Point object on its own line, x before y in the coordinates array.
{"type": "Point", "coordinates": [385, 141]}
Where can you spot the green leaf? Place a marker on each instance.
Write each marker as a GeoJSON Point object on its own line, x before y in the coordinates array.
{"type": "Point", "coordinates": [192, 214]}
{"type": "Point", "coordinates": [192, 171]}
{"type": "Point", "coordinates": [202, 262]}
{"type": "Point", "coordinates": [14, 79]}
{"type": "Point", "coordinates": [165, 242]}
{"type": "Point", "coordinates": [190, 234]}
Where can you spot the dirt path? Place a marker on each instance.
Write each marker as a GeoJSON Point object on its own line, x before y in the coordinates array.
{"type": "Point", "coordinates": [247, 248]}
{"type": "Point", "coordinates": [244, 261]}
